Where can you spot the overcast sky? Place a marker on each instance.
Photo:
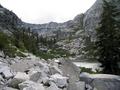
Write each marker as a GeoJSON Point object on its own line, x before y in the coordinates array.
{"type": "Point", "coordinates": [43, 11]}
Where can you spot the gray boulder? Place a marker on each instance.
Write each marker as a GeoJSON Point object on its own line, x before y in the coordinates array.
{"type": "Point", "coordinates": [35, 76]}
{"type": "Point", "coordinates": [80, 85]}
{"type": "Point", "coordinates": [101, 82]}
{"type": "Point", "coordinates": [59, 80]}
{"type": "Point", "coordinates": [26, 64]}
{"type": "Point", "coordinates": [76, 86]}
{"type": "Point", "coordinates": [30, 85]}
{"type": "Point", "coordinates": [9, 88]}
{"type": "Point", "coordinates": [54, 70]}
{"type": "Point", "coordinates": [6, 72]}
{"type": "Point", "coordinates": [19, 78]}
{"type": "Point", "coordinates": [46, 81]}
{"type": "Point", "coordinates": [53, 87]}
{"type": "Point", "coordinates": [1, 80]}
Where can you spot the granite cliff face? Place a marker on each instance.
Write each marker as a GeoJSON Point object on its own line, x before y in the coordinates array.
{"type": "Point", "coordinates": [92, 18]}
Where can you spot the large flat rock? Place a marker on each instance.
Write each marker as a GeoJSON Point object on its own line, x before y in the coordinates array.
{"type": "Point", "coordinates": [101, 81]}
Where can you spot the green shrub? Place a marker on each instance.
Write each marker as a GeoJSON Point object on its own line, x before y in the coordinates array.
{"type": "Point", "coordinates": [89, 70]}
{"type": "Point", "coordinates": [4, 41]}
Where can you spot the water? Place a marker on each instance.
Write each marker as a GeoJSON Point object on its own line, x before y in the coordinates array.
{"type": "Point", "coordinates": [93, 66]}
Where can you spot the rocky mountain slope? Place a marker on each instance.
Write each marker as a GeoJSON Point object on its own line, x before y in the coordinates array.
{"type": "Point", "coordinates": [92, 18]}
{"type": "Point", "coordinates": [71, 35]}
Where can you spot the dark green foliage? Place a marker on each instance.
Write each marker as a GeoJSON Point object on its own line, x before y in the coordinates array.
{"type": "Point", "coordinates": [24, 39]}
{"type": "Point", "coordinates": [53, 53]}
{"type": "Point", "coordinates": [3, 41]}
{"type": "Point", "coordinates": [89, 70]}
{"type": "Point", "coordinates": [7, 46]}
{"type": "Point", "coordinates": [108, 39]}
{"type": "Point", "coordinates": [89, 49]}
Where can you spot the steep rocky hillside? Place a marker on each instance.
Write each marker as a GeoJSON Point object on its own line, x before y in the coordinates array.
{"type": "Point", "coordinates": [92, 18]}
{"type": "Point", "coordinates": [8, 19]}
{"type": "Point", "coordinates": [71, 35]}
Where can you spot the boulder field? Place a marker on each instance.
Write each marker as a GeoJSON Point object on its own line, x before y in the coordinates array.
{"type": "Point", "coordinates": [33, 73]}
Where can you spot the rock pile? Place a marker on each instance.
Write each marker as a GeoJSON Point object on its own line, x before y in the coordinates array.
{"type": "Point", "coordinates": [31, 73]}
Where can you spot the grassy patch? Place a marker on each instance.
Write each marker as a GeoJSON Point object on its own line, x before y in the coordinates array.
{"type": "Point", "coordinates": [53, 53]}
{"type": "Point", "coordinates": [89, 70]}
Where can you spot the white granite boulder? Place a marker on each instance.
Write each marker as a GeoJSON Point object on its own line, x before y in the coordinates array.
{"type": "Point", "coordinates": [54, 70]}
{"type": "Point", "coordinates": [19, 78]}
{"type": "Point", "coordinates": [59, 80]}
{"type": "Point", "coordinates": [53, 87]}
{"type": "Point", "coordinates": [30, 85]}
{"type": "Point", "coordinates": [6, 72]}
{"type": "Point", "coordinates": [9, 88]}
{"type": "Point", "coordinates": [36, 74]}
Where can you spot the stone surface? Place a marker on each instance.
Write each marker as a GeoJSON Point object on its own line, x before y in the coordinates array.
{"type": "Point", "coordinates": [101, 81]}
{"type": "Point", "coordinates": [46, 81]}
{"type": "Point", "coordinates": [76, 86]}
{"type": "Point", "coordinates": [1, 80]}
{"type": "Point", "coordinates": [6, 72]}
{"type": "Point", "coordinates": [59, 80]}
{"type": "Point", "coordinates": [71, 70]}
{"type": "Point", "coordinates": [19, 78]}
{"type": "Point", "coordinates": [26, 64]}
{"type": "Point", "coordinates": [80, 85]}
{"type": "Point", "coordinates": [53, 87]}
{"type": "Point", "coordinates": [92, 17]}
{"type": "Point", "coordinates": [30, 85]}
{"type": "Point", "coordinates": [9, 88]}
{"type": "Point", "coordinates": [84, 74]}
{"type": "Point", "coordinates": [106, 84]}
{"type": "Point", "coordinates": [35, 76]}
{"type": "Point", "coordinates": [54, 70]}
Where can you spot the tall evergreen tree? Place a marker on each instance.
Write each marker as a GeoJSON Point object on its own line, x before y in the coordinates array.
{"type": "Point", "coordinates": [108, 39]}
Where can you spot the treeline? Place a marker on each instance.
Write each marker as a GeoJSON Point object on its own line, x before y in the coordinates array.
{"type": "Point", "coordinates": [25, 40]}
{"type": "Point", "coordinates": [108, 38]}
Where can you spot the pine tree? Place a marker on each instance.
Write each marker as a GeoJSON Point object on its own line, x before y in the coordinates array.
{"type": "Point", "coordinates": [108, 39]}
